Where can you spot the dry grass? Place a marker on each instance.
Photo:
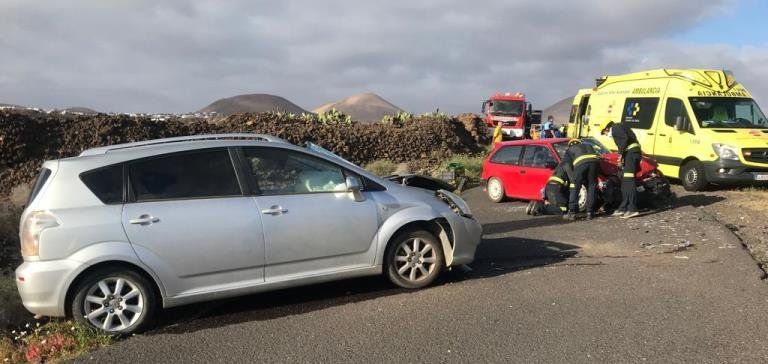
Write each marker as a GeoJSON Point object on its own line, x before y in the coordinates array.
{"type": "Point", "coordinates": [382, 167]}
{"type": "Point", "coordinates": [754, 198]}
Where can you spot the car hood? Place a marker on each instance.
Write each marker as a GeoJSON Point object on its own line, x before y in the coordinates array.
{"type": "Point", "coordinates": [421, 181]}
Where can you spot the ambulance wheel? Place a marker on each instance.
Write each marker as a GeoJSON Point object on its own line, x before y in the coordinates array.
{"type": "Point", "coordinates": [692, 176]}
{"type": "Point", "coordinates": [495, 190]}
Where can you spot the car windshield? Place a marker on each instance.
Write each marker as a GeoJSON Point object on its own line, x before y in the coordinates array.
{"type": "Point", "coordinates": [599, 148]}
{"type": "Point", "coordinates": [728, 112]}
{"type": "Point", "coordinates": [318, 149]}
{"type": "Point", "coordinates": [503, 107]}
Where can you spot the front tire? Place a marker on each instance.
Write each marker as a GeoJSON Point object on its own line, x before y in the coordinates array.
{"type": "Point", "coordinates": [414, 259]}
{"type": "Point", "coordinates": [692, 176]}
{"type": "Point", "coordinates": [115, 301]}
{"type": "Point", "coordinates": [495, 190]}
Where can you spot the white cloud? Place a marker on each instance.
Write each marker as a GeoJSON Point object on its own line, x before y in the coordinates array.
{"type": "Point", "coordinates": [179, 55]}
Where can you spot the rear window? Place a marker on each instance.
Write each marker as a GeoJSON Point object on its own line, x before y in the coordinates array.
{"type": "Point", "coordinates": [39, 182]}
{"type": "Point", "coordinates": [508, 155]}
{"type": "Point", "coordinates": [106, 183]}
{"type": "Point", "coordinates": [200, 174]}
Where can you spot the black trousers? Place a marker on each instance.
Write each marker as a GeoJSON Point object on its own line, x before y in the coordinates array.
{"type": "Point", "coordinates": [628, 186]}
{"type": "Point", "coordinates": [584, 174]}
{"type": "Point", "coordinates": [557, 195]}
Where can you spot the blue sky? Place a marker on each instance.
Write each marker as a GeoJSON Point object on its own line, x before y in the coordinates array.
{"type": "Point", "coordinates": [746, 24]}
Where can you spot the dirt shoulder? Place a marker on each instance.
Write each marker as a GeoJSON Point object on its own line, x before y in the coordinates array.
{"type": "Point", "coordinates": [743, 211]}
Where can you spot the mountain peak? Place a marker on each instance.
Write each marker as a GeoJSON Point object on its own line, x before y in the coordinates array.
{"type": "Point", "coordinates": [366, 107]}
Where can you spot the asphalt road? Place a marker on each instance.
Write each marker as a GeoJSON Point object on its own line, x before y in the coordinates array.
{"type": "Point", "coordinates": [668, 286]}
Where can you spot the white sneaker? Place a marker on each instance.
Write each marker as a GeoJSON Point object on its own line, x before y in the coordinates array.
{"type": "Point", "coordinates": [630, 214]}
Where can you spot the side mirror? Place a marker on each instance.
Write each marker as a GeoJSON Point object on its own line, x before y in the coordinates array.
{"type": "Point", "coordinates": [355, 186]}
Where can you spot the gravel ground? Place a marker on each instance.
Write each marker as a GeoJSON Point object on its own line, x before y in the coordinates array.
{"type": "Point", "coordinates": [743, 211]}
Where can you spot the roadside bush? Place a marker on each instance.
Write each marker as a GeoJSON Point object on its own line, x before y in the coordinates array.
{"type": "Point", "coordinates": [397, 119]}
{"type": "Point", "coordinates": [473, 165]}
{"type": "Point", "coordinates": [381, 167]}
{"type": "Point", "coordinates": [334, 116]}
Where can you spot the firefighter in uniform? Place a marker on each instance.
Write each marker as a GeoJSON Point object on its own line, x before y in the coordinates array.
{"type": "Point", "coordinates": [629, 156]}
{"type": "Point", "coordinates": [555, 193]}
{"type": "Point", "coordinates": [581, 164]}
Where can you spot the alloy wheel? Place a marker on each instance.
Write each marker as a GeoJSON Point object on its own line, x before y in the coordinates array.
{"type": "Point", "coordinates": [415, 259]}
{"type": "Point", "coordinates": [113, 304]}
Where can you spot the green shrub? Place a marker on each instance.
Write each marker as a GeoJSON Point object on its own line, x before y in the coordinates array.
{"type": "Point", "coordinates": [436, 115]}
{"type": "Point", "coordinates": [382, 167]}
{"type": "Point", "coordinates": [334, 116]}
{"type": "Point", "coordinates": [398, 119]}
{"type": "Point", "coordinates": [473, 165]}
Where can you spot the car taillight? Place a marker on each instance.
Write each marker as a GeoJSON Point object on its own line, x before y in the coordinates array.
{"type": "Point", "coordinates": [34, 224]}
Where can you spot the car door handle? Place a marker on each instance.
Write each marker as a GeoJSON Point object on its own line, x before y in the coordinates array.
{"type": "Point", "coordinates": [662, 134]}
{"type": "Point", "coordinates": [651, 134]}
{"type": "Point", "coordinates": [144, 219]}
{"type": "Point", "coordinates": [274, 210]}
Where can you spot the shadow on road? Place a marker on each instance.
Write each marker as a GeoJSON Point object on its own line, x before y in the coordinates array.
{"type": "Point", "coordinates": [530, 222]}
{"type": "Point", "coordinates": [697, 200]}
{"type": "Point", "coordinates": [495, 256]}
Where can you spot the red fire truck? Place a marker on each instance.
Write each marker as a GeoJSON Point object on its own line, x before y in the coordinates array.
{"type": "Point", "coordinates": [515, 114]}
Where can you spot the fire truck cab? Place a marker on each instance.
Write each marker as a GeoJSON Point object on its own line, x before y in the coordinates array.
{"type": "Point", "coordinates": [512, 111]}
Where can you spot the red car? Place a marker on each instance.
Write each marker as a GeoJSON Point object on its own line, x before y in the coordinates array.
{"type": "Point", "coordinates": [520, 169]}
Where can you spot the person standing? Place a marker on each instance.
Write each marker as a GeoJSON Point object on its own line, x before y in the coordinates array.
{"type": "Point", "coordinates": [498, 136]}
{"type": "Point", "coordinates": [581, 164]}
{"type": "Point", "coordinates": [629, 162]}
{"type": "Point", "coordinates": [548, 128]}
{"type": "Point", "coordinates": [546, 131]}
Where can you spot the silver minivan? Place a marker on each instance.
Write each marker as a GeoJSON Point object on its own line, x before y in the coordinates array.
{"type": "Point", "coordinates": [117, 233]}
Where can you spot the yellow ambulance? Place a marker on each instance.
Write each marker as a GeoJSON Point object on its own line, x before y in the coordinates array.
{"type": "Point", "coordinates": [701, 126]}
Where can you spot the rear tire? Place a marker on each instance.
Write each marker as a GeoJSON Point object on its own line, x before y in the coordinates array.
{"type": "Point", "coordinates": [414, 259]}
{"type": "Point", "coordinates": [115, 301]}
{"type": "Point", "coordinates": [692, 176]}
{"type": "Point", "coordinates": [495, 190]}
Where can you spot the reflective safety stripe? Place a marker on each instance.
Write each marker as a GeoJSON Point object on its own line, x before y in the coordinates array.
{"type": "Point", "coordinates": [571, 185]}
{"type": "Point", "coordinates": [629, 174]}
{"type": "Point", "coordinates": [583, 158]}
{"type": "Point", "coordinates": [633, 146]}
{"type": "Point", "coordinates": [556, 179]}
{"type": "Point", "coordinates": [563, 208]}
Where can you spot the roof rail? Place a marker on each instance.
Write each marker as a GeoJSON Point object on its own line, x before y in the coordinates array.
{"type": "Point", "coordinates": [191, 138]}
